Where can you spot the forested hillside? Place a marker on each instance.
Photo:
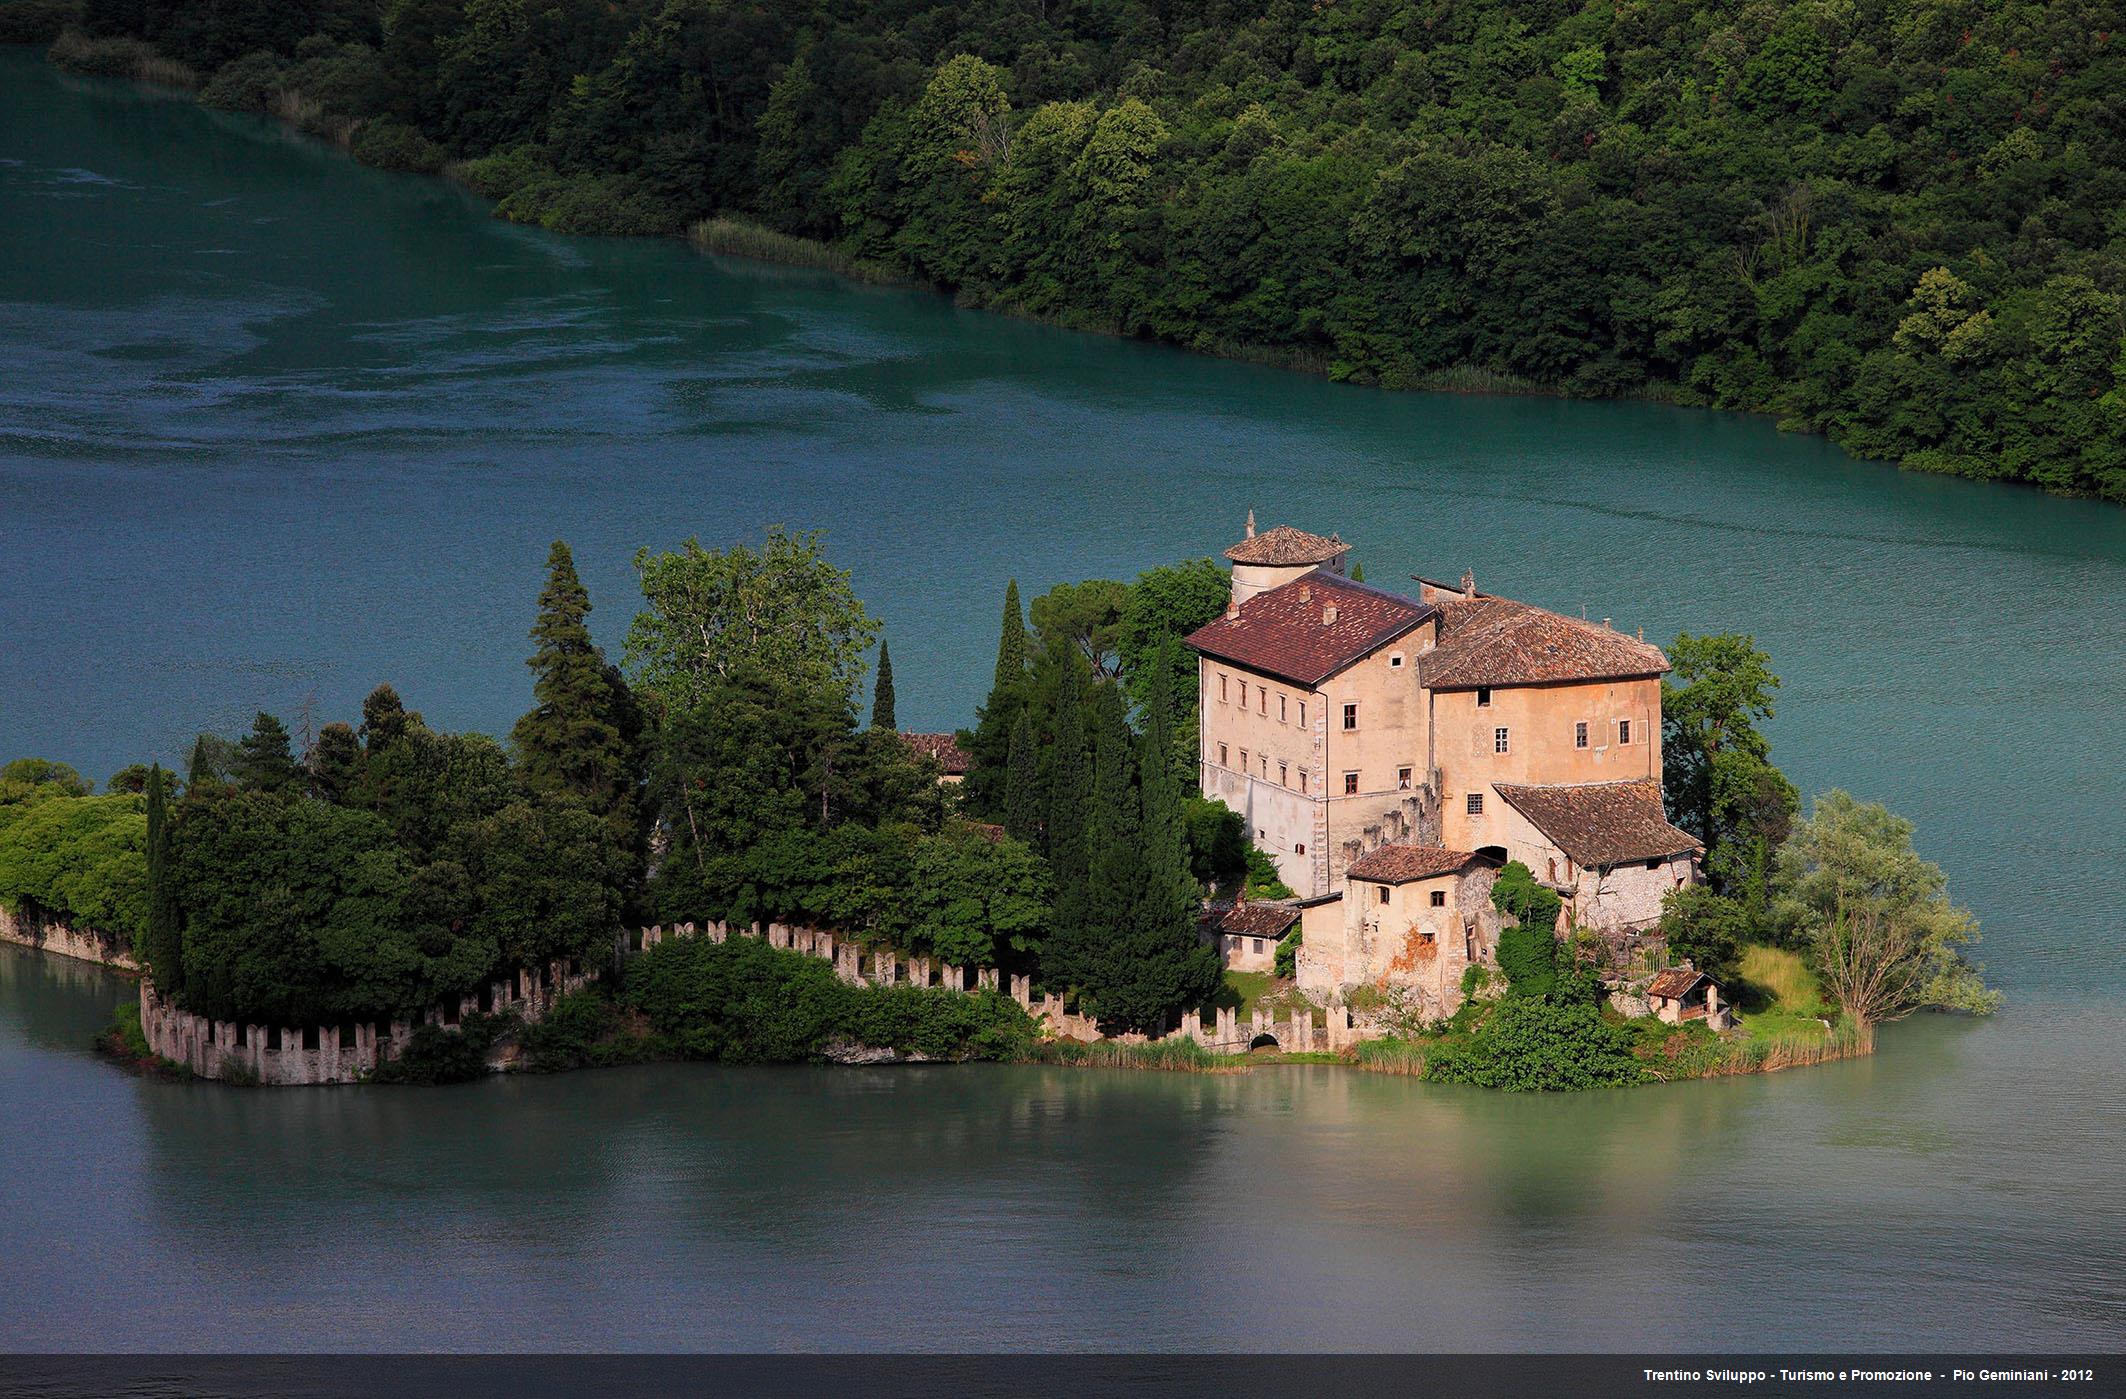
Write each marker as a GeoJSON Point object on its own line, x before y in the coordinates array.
{"type": "Point", "coordinates": [1899, 222]}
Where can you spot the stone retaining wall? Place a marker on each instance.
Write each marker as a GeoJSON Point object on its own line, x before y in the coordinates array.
{"type": "Point", "coordinates": [288, 1055]}
{"type": "Point", "coordinates": [34, 928]}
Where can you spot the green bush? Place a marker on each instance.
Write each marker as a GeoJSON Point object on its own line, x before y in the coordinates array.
{"type": "Point", "coordinates": [83, 859]}
{"type": "Point", "coordinates": [1287, 963]}
{"type": "Point", "coordinates": [614, 206]}
{"type": "Point", "coordinates": [36, 21]}
{"type": "Point", "coordinates": [440, 1055]}
{"type": "Point", "coordinates": [580, 1030]}
{"type": "Point", "coordinates": [1531, 1045]}
{"type": "Point", "coordinates": [742, 1001]}
{"type": "Point", "coordinates": [245, 84]}
{"type": "Point", "coordinates": [392, 145]}
{"type": "Point", "coordinates": [503, 173]}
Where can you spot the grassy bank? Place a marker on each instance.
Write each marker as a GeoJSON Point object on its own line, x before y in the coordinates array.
{"type": "Point", "coordinates": [1172, 1056]}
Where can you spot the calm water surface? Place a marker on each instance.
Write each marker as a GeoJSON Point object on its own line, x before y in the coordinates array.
{"type": "Point", "coordinates": [274, 426]}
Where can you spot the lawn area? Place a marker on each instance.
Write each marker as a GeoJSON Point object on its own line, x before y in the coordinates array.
{"type": "Point", "coordinates": [1788, 1005]}
{"type": "Point", "coordinates": [1247, 990]}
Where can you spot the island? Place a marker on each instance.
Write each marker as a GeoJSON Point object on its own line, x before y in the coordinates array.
{"type": "Point", "coordinates": [1211, 816]}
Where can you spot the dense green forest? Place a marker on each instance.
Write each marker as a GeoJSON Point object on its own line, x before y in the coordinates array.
{"type": "Point", "coordinates": [1898, 222]}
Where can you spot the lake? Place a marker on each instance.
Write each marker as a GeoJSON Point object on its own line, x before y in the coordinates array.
{"type": "Point", "coordinates": [275, 428]}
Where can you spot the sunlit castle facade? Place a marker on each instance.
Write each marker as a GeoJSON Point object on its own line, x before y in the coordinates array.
{"type": "Point", "coordinates": [1341, 719]}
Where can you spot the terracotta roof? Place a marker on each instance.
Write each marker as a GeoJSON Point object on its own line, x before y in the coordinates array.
{"type": "Point", "coordinates": [1497, 641]}
{"type": "Point", "coordinates": [943, 749]}
{"type": "Point", "coordinates": [1676, 983]}
{"type": "Point", "coordinates": [1601, 823]}
{"type": "Point", "coordinates": [1287, 547]}
{"type": "Point", "coordinates": [1399, 864]}
{"type": "Point", "coordinates": [1281, 632]}
{"type": "Point", "coordinates": [1257, 920]}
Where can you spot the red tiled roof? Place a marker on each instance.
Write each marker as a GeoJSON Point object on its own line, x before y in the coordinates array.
{"type": "Point", "coordinates": [1286, 546]}
{"type": "Point", "coordinates": [1601, 823]}
{"type": "Point", "coordinates": [1257, 920]}
{"type": "Point", "coordinates": [1675, 983]}
{"type": "Point", "coordinates": [943, 749]}
{"type": "Point", "coordinates": [1399, 864]}
{"type": "Point", "coordinates": [1281, 632]}
{"type": "Point", "coordinates": [1495, 641]}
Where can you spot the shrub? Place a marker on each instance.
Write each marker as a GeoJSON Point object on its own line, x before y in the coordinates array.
{"type": "Point", "coordinates": [581, 1029]}
{"type": "Point", "coordinates": [613, 206]}
{"type": "Point", "coordinates": [1533, 1045]}
{"type": "Point", "coordinates": [118, 58]}
{"type": "Point", "coordinates": [1287, 963]}
{"type": "Point", "coordinates": [503, 173]}
{"type": "Point", "coordinates": [36, 21]}
{"type": "Point", "coordinates": [81, 858]}
{"type": "Point", "coordinates": [1706, 928]}
{"type": "Point", "coordinates": [439, 1055]}
{"type": "Point", "coordinates": [742, 1001]}
{"type": "Point", "coordinates": [393, 145]}
{"type": "Point", "coordinates": [245, 84]}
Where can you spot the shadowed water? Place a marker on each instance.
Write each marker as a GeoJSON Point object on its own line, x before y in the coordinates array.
{"type": "Point", "coordinates": [271, 424]}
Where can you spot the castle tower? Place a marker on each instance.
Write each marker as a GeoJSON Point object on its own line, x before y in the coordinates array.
{"type": "Point", "coordinates": [1272, 559]}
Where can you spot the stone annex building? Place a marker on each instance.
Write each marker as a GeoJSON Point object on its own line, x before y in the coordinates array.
{"type": "Point", "coordinates": [1392, 752]}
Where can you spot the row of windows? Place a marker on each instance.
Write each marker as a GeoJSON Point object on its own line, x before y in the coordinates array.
{"type": "Point", "coordinates": [1262, 700]}
{"type": "Point", "coordinates": [1502, 737]}
{"type": "Point", "coordinates": [1439, 896]}
{"type": "Point", "coordinates": [1284, 769]}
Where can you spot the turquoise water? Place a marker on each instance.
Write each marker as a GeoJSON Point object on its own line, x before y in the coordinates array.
{"type": "Point", "coordinates": [274, 426]}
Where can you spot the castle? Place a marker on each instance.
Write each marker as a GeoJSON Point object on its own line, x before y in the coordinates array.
{"type": "Point", "coordinates": [1391, 752]}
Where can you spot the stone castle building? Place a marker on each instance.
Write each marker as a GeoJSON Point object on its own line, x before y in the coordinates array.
{"type": "Point", "coordinates": [1365, 735]}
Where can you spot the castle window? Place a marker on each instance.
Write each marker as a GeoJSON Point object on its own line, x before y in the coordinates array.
{"type": "Point", "coordinates": [1224, 756]}
{"type": "Point", "coordinates": [1500, 741]}
{"type": "Point", "coordinates": [1280, 709]}
{"type": "Point", "coordinates": [1350, 716]}
{"type": "Point", "coordinates": [1302, 780]}
{"type": "Point", "coordinates": [1262, 699]}
{"type": "Point", "coordinates": [1302, 714]}
{"type": "Point", "coordinates": [1284, 778]}
{"type": "Point", "coordinates": [1476, 803]}
{"type": "Point", "coordinates": [1623, 730]}
{"type": "Point", "coordinates": [1243, 760]}
{"type": "Point", "coordinates": [1653, 864]}
{"type": "Point", "coordinates": [1483, 696]}
{"type": "Point", "coordinates": [1395, 661]}
{"type": "Point", "coordinates": [1258, 946]}
{"type": "Point", "coordinates": [1439, 898]}
{"type": "Point", "coordinates": [1579, 735]}
{"type": "Point", "coordinates": [1350, 784]}
{"type": "Point", "coordinates": [1265, 761]}
{"type": "Point", "coordinates": [1221, 689]}
{"type": "Point", "coordinates": [1299, 850]}
{"type": "Point", "coordinates": [1384, 893]}
{"type": "Point", "coordinates": [1402, 779]}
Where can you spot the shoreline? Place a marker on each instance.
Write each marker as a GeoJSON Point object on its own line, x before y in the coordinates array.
{"type": "Point", "coordinates": [732, 235]}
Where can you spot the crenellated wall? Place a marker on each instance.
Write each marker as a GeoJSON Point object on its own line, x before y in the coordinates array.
{"type": "Point", "coordinates": [290, 1055]}
{"type": "Point", "coordinates": [35, 928]}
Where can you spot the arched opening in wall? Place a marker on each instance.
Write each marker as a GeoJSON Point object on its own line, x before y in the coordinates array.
{"type": "Point", "coordinates": [1493, 852]}
{"type": "Point", "coordinates": [311, 1038]}
{"type": "Point", "coordinates": [1263, 1042]}
{"type": "Point", "coordinates": [347, 1037]}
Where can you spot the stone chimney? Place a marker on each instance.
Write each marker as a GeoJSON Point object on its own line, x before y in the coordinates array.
{"type": "Point", "coordinates": [1306, 592]}
{"type": "Point", "coordinates": [1251, 524]}
{"type": "Point", "coordinates": [1232, 609]}
{"type": "Point", "coordinates": [1468, 582]}
{"type": "Point", "coordinates": [1328, 615]}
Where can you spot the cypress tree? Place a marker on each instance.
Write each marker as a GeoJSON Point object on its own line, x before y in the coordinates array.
{"type": "Point", "coordinates": [1358, 573]}
{"type": "Point", "coordinates": [1070, 809]}
{"type": "Point", "coordinates": [988, 745]}
{"type": "Point", "coordinates": [580, 739]}
{"type": "Point", "coordinates": [1171, 968]}
{"type": "Point", "coordinates": [1011, 642]}
{"type": "Point", "coordinates": [204, 769]}
{"type": "Point", "coordinates": [1022, 783]}
{"type": "Point", "coordinates": [163, 946]}
{"type": "Point", "coordinates": [1115, 873]}
{"type": "Point", "coordinates": [264, 760]}
{"type": "Point", "coordinates": [882, 693]}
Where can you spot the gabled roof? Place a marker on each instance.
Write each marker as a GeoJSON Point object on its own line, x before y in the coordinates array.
{"type": "Point", "coordinates": [1601, 823]}
{"type": "Point", "coordinates": [1487, 641]}
{"type": "Point", "coordinates": [1281, 632]}
{"type": "Point", "coordinates": [1399, 864]}
{"type": "Point", "coordinates": [1286, 547]}
{"type": "Point", "coordinates": [1676, 983]}
{"type": "Point", "coordinates": [943, 749]}
{"type": "Point", "coordinates": [1257, 920]}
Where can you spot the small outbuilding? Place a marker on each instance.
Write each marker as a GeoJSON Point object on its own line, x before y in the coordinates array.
{"type": "Point", "coordinates": [1246, 935]}
{"type": "Point", "coordinates": [1680, 995]}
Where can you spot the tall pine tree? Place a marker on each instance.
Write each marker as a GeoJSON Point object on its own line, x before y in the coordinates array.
{"type": "Point", "coordinates": [264, 760]}
{"type": "Point", "coordinates": [582, 739]}
{"type": "Point", "coordinates": [162, 944]}
{"type": "Point", "coordinates": [1115, 873]}
{"type": "Point", "coordinates": [882, 693]}
{"type": "Point", "coordinates": [1070, 811]}
{"type": "Point", "coordinates": [1170, 967]}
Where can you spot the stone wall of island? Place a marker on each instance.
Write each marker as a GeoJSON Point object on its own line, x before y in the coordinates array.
{"type": "Point", "coordinates": [32, 927]}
